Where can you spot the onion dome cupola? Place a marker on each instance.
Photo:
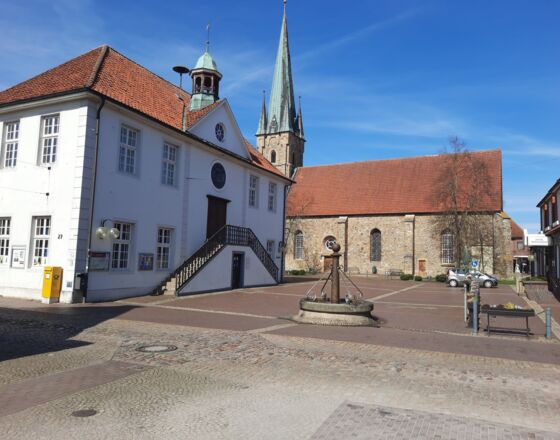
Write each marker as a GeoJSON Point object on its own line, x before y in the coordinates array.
{"type": "Point", "coordinates": [205, 82]}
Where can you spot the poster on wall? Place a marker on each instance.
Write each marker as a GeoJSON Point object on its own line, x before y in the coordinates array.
{"type": "Point", "coordinates": [18, 257]}
{"type": "Point", "coordinates": [98, 261]}
{"type": "Point", "coordinates": [145, 261]}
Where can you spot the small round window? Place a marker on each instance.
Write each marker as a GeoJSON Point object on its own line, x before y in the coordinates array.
{"type": "Point", "coordinates": [220, 132]}
{"type": "Point", "coordinates": [218, 175]}
{"type": "Point", "coordinates": [329, 242]}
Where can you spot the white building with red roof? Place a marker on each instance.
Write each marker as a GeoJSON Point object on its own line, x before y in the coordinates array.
{"type": "Point", "coordinates": [130, 183]}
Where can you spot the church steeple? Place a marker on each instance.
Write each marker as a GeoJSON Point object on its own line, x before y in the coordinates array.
{"type": "Point", "coordinates": [280, 132]}
{"type": "Point", "coordinates": [281, 107]}
{"type": "Point", "coordinates": [263, 120]}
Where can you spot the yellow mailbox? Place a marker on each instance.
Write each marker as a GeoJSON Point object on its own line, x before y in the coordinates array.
{"type": "Point", "coordinates": [52, 284]}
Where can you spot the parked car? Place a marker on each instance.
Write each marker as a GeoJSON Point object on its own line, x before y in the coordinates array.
{"type": "Point", "coordinates": [457, 277]}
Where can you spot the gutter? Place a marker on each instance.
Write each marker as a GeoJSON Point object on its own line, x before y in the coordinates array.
{"type": "Point", "coordinates": [93, 183]}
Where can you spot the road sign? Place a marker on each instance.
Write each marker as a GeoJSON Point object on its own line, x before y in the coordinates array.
{"type": "Point", "coordinates": [474, 264]}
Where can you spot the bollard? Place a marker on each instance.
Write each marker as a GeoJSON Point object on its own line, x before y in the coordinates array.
{"type": "Point", "coordinates": [475, 314]}
{"type": "Point", "coordinates": [548, 320]}
{"type": "Point", "coordinates": [465, 309]}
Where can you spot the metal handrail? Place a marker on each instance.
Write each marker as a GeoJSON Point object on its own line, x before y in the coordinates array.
{"type": "Point", "coordinates": [227, 235]}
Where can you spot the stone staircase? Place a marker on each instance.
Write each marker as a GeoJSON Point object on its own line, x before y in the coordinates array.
{"type": "Point", "coordinates": [227, 235]}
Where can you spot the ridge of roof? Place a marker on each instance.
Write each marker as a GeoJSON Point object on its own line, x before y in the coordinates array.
{"type": "Point", "coordinates": [104, 50]}
{"type": "Point", "coordinates": [498, 150]}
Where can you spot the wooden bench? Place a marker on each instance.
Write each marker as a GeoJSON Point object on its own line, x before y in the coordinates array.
{"type": "Point", "coordinates": [354, 270]}
{"type": "Point", "coordinates": [393, 273]}
{"type": "Point", "coordinates": [508, 313]}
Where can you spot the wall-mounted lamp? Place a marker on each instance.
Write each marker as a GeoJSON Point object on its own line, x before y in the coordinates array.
{"type": "Point", "coordinates": [103, 231]}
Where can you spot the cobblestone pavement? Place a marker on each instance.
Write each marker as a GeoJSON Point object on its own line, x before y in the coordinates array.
{"type": "Point", "coordinates": [359, 421]}
{"type": "Point", "coordinates": [222, 384]}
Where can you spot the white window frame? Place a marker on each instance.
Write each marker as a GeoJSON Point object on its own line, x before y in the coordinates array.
{"type": "Point", "coordinates": [169, 164]}
{"type": "Point", "coordinates": [11, 144]}
{"type": "Point", "coordinates": [122, 246]}
{"type": "Point", "coordinates": [253, 191]}
{"type": "Point", "coordinates": [272, 190]}
{"type": "Point", "coordinates": [40, 240]}
{"type": "Point", "coordinates": [129, 140]}
{"type": "Point", "coordinates": [5, 227]}
{"type": "Point", "coordinates": [50, 130]}
{"type": "Point", "coordinates": [270, 245]}
{"type": "Point", "coordinates": [447, 247]}
{"type": "Point", "coordinates": [163, 249]}
{"type": "Point", "coordinates": [299, 253]}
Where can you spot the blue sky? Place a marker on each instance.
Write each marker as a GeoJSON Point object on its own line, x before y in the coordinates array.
{"type": "Point", "coordinates": [378, 79]}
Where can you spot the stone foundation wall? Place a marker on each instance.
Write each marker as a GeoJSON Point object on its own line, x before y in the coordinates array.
{"type": "Point", "coordinates": [408, 242]}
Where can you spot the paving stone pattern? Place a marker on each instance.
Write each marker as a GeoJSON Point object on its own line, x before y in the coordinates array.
{"type": "Point", "coordinates": [367, 422]}
{"type": "Point", "coordinates": [222, 384]}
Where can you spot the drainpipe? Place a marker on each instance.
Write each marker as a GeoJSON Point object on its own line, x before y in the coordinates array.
{"type": "Point", "coordinates": [283, 258]}
{"type": "Point", "coordinates": [93, 183]}
{"type": "Point", "coordinates": [414, 247]}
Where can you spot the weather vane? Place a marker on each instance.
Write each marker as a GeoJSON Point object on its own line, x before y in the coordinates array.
{"type": "Point", "coordinates": [207, 36]}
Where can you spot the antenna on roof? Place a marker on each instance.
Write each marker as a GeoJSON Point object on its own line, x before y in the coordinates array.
{"type": "Point", "coordinates": [181, 70]}
{"type": "Point", "coordinates": [207, 36]}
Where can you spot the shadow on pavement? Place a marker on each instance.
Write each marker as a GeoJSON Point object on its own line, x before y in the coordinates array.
{"type": "Point", "coordinates": [31, 331]}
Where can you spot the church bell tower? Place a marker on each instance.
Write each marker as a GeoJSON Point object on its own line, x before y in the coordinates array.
{"type": "Point", "coordinates": [280, 135]}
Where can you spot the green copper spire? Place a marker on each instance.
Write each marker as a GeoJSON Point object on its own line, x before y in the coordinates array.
{"type": "Point", "coordinates": [281, 107]}
{"type": "Point", "coordinates": [300, 119]}
{"type": "Point", "coordinates": [263, 120]}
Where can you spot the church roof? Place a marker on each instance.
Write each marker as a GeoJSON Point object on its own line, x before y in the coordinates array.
{"type": "Point", "coordinates": [394, 186]}
{"type": "Point", "coordinates": [106, 72]}
{"type": "Point", "coordinates": [516, 231]}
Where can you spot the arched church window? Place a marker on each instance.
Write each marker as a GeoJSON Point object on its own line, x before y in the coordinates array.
{"type": "Point", "coordinates": [294, 159]}
{"type": "Point", "coordinates": [329, 242]}
{"type": "Point", "coordinates": [273, 156]}
{"type": "Point", "coordinates": [375, 245]}
{"type": "Point", "coordinates": [447, 247]}
{"type": "Point", "coordinates": [298, 245]}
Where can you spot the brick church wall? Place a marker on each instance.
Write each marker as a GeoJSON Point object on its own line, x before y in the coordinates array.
{"type": "Point", "coordinates": [397, 232]}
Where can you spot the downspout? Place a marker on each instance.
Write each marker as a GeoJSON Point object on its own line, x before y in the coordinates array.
{"type": "Point", "coordinates": [94, 180]}
{"type": "Point", "coordinates": [283, 258]}
{"type": "Point", "coordinates": [414, 247]}
{"type": "Point", "coordinates": [346, 244]}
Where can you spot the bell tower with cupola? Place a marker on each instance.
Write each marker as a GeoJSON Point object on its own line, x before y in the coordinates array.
{"type": "Point", "coordinates": [280, 135]}
{"type": "Point", "coordinates": [205, 82]}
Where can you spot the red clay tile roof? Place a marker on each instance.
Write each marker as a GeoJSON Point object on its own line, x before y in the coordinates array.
{"type": "Point", "coordinates": [105, 71]}
{"type": "Point", "coordinates": [260, 160]}
{"type": "Point", "coordinates": [394, 186]}
{"type": "Point", "coordinates": [516, 231]}
{"type": "Point", "coordinates": [76, 74]}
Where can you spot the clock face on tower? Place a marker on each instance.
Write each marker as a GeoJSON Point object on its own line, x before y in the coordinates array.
{"type": "Point", "coordinates": [218, 175]}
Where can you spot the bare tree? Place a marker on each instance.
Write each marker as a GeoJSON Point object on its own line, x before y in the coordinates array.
{"type": "Point", "coordinates": [461, 194]}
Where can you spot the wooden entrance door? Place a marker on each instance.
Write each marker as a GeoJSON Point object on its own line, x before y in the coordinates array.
{"type": "Point", "coordinates": [422, 267]}
{"type": "Point", "coordinates": [217, 215]}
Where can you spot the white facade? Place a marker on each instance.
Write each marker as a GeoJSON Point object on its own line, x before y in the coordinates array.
{"type": "Point", "coordinates": [129, 195]}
